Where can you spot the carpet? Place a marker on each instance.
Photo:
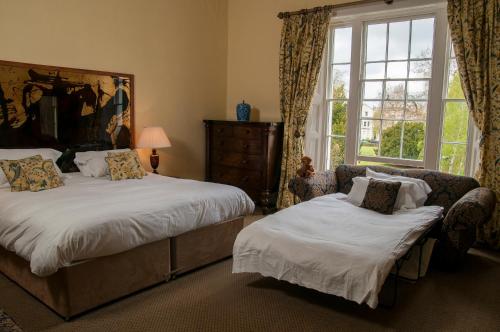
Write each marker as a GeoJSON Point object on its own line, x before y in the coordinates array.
{"type": "Point", "coordinates": [7, 324]}
{"type": "Point", "coordinates": [213, 299]}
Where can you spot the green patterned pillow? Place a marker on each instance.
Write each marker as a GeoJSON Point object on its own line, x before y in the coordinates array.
{"type": "Point", "coordinates": [131, 154]}
{"type": "Point", "coordinates": [14, 172]}
{"type": "Point", "coordinates": [124, 167]}
{"type": "Point", "coordinates": [42, 175]}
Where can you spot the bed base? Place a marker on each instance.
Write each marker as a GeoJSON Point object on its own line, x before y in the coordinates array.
{"type": "Point", "coordinates": [76, 289]}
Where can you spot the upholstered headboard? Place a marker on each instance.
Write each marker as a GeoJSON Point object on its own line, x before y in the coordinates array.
{"type": "Point", "coordinates": [446, 188]}
{"type": "Point", "coordinates": [65, 109]}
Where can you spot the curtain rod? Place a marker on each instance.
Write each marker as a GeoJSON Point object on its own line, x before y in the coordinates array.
{"type": "Point", "coordinates": [282, 15]}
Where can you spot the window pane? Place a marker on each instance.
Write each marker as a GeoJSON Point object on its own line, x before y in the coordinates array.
{"type": "Point", "coordinates": [398, 69]}
{"type": "Point", "coordinates": [418, 89]}
{"type": "Point", "coordinates": [391, 139]}
{"type": "Point", "coordinates": [375, 70]}
{"type": "Point", "coordinates": [453, 158]}
{"type": "Point", "coordinates": [376, 41]}
{"type": "Point", "coordinates": [338, 110]}
{"type": "Point", "coordinates": [342, 45]}
{"type": "Point", "coordinates": [393, 110]}
{"type": "Point", "coordinates": [420, 69]}
{"type": "Point", "coordinates": [422, 37]}
{"type": "Point", "coordinates": [369, 137]}
{"type": "Point", "coordinates": [395, 90]}
{"type": "Point", "coordinates": [373, 90]}
{"type": "Point", "coordinates": [340, 81]}
{"type": "Point", "coordinates": [416, 110]}
{"type": "Point", "coordinates": [368, 148]}
{"type": "Point", "coordinates": [398, 40]}
{"type": "Point", "coordinates": [454, 86]}
{"type": "Point", "coordinates": [413, 140]}
{"type": "Point", "coordinates": [337, 151]}
{"type": "Point", "coordinates": [456, 121]}
{"type": "Point", "coordinates": [371, 109]}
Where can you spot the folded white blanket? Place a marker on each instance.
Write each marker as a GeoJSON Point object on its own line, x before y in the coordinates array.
{"type": "Point", "coordinates": [330, 245]}
{"type": "Point", "coordinates": [93, 217]}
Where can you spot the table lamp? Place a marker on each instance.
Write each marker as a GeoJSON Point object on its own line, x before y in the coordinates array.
{"type": "Point", "coordinates": [154, 138]}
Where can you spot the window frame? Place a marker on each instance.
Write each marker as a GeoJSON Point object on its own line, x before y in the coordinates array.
{"type": "Point", "coordinates": [435, 100]}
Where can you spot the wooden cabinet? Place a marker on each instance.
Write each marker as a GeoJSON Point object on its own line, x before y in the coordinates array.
{"type": "Point", "coordinates": [246, 155]}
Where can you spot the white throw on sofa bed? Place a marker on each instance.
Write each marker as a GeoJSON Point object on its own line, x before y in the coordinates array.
{"type": "Point", "coordinates": [331, 245]}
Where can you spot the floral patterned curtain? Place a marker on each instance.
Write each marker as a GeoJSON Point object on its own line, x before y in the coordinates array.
{"type": "Point", "coordinates": [475, 32]}
{"type": "Point", "coordinates": [303, 39]}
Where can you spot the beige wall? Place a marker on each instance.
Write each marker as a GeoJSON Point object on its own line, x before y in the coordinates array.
{"type": "Point", "coordinates": [253, 53]}
{"type": "Point", "coordinates": [176, 49]}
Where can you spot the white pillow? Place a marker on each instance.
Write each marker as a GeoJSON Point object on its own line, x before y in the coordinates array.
{"type": "Point", "coordinates": [15, 154]}
{"type": "Point", "coordinates": [417, 190]}
{"type": "Point", "coordinates": [358, 190]}
{"type": "Point", "coordinates": [92, 163]}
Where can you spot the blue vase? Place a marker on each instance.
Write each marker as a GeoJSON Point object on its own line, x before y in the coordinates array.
{"type": "Point", "coordinates": [243, 111]}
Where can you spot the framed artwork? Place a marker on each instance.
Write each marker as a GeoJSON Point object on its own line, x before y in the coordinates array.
{"type": "Point", "coordinates": [65, 108]}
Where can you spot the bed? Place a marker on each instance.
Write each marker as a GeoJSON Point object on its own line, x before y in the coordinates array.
{"type": "Point", "coordinates": [332, 246]}
{"type": "Point", "coordinates": [94, 240]}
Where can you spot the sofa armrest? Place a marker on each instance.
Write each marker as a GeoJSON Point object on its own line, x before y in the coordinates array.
{"type": "Point", "coordinates": [458, 232]}
{"type": "Point", "coordinates": [473, 209]}
{"type": "Point", "coordinates": [321, 183]}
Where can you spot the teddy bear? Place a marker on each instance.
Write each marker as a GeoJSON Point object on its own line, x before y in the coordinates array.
{"type": "Point", "coordinates": [306, 170]}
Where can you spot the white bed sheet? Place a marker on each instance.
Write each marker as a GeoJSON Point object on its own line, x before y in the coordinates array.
{"type": "Point", "coordinates": [330, 245]}
{"type": "Point", "coordinates": [93, 217]}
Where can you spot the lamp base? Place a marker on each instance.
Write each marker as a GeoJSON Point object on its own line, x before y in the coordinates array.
{"type": "Point", "coordinates": [154, 159]}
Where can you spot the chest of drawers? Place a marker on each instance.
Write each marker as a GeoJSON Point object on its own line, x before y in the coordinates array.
{"type": "Point", "coordinates": [246, 155]}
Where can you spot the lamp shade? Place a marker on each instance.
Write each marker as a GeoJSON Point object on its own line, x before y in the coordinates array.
{"type": "Point", "coordinates": [153, 137]}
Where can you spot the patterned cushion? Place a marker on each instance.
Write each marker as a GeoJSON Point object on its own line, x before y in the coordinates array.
{"type": "Point", "coordinates": [131, 154]}
{"type": "Point", "coordinates": [381, 196]}
{"type": "Point", "coordinates": [124, 166]}
{"type": "Point", "coordinates": [42, 175]}
{"type": "Point", "coordinates": [14, 172]}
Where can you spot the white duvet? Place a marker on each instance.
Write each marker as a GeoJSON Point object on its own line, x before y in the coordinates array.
{"type": "Point", "coordinates": [330, 245]}
{"type": "Point", "coordinates": [93, 217]}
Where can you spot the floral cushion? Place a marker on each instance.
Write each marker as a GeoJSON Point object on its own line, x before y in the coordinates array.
{"type": "Point", "coordinates": [124, 166]}
{"type": "Point", "coordinates": [14, 172]}
{"type": "Point", "coordinates": [132, 154]}
{"type": "Point", "coordinates": [42, 175]}
{"type": "Point", "coordinates": [381, 196]}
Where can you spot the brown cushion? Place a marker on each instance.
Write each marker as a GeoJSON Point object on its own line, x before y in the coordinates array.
{"type": "Point", "coordinates": [381, 196]}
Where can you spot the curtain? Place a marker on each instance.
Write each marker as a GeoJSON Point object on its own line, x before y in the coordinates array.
{"type": "Point", "coordinates": [303, 39]}
{"type": "Point", "coordinates": [475, 33]}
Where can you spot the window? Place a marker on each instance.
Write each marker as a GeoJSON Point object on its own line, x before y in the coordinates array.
{"type": "Point", "coordinates": [395, 87]}
{"type": "Point", "coordinates": [455, 126]}
{"type": "Point", "coordinates": [338, 94]}
{"type": "Point", "coordinates": [393, 92]}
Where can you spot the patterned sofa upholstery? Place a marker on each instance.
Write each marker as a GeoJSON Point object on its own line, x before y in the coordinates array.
{"type": "Point", "coordinates": [466, 205]}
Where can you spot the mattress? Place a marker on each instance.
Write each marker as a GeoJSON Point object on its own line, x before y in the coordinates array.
{"type": "Point", "coordinates": [332, 246]}
{"type": "Point", "coordinates": [93, 217]}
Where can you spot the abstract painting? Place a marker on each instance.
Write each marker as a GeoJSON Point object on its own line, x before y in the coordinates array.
{"type": "Point", "coordinates": [43, 106]}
